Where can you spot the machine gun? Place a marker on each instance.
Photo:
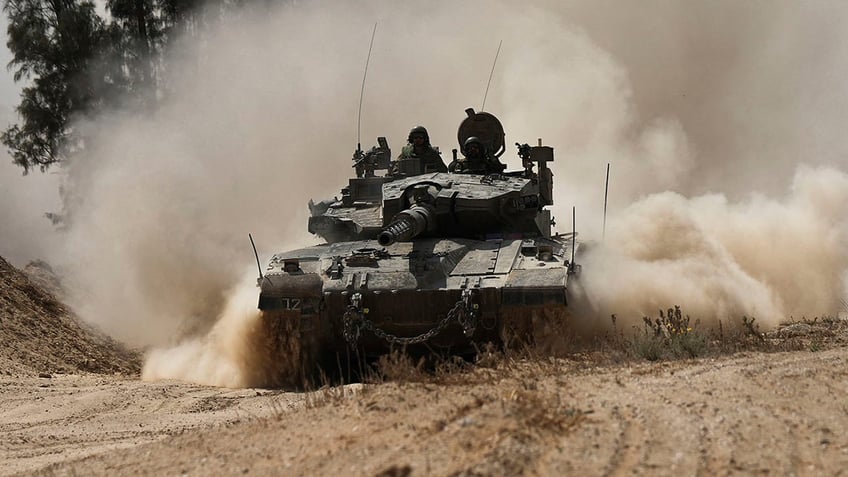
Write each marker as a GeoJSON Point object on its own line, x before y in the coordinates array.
{"type": "Point", "coordinates": [541, 155]}
{"type": "Point", "coordinates": [526, 161]}
{"type": "Point", "coordinates": [377, 158]}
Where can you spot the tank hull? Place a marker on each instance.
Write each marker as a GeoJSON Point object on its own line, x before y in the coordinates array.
{"type": "Point", "coordinates": [451, 295]}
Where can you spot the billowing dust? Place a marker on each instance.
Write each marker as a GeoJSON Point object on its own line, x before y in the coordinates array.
{"type": "Point", "coordinates": [261, 116]}
{"type": "Point", "coordinates": [226, 355]}
{"type": "Point", "coordinates": [768, 259]}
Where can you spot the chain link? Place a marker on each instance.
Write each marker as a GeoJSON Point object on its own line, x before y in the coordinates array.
{"type": "Point", "coordinates": [354, 321]}
{"type": "Point", "coordinates": [468, 319]}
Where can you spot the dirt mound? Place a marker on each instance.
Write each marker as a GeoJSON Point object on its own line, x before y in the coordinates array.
{"type": "Point", "coordinates": [41, 336]}
{"type": "Point", "coordinates": [41, 273]}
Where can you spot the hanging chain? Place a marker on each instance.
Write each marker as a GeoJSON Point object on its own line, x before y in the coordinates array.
{"type": "Point", "coordinates": [468, 317]}
{"type": "Point", "coordinates": [354, 321]}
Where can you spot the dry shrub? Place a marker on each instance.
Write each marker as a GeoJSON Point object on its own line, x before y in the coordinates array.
{"type": "Point", "coordinates": [398, 366]}
{"type": "Point", "coordinates": [673, 336]}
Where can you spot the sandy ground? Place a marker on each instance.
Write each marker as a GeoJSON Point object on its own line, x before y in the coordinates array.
{"type": "Point", "coordinates": [67, 417]}
{"type": "Point", "coordinates": [748, 413]}
{"type": "Point", "coordinates": [71, 403]}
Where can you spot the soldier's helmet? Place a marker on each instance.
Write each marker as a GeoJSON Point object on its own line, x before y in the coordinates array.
{"type": "Point", "coordinates": [418, 130]}
{"type": "Point", "coordinates": [474, 140]}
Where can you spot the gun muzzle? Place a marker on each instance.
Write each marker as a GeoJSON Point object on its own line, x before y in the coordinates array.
{"type": "Point", "coordinates": [407, 225]}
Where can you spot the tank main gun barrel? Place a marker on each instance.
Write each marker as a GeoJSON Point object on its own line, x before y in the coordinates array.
{"type": "Point", "coordinates": [399, 230]}
{"type": "Point", "coordinates": [408, 224]}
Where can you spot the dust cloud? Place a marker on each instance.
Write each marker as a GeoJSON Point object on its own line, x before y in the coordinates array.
{"type": "Point", "coordinates": [261, 116]}
{"type": "Point", "coordinates": [767, 259]}
{"type": "Point", "coordinates": [25, 232]}
{"type": "Point", "coordinates": [225, 356]}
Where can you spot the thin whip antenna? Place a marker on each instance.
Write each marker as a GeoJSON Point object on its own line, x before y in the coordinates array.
{"type": "Point", "coordinates": [483, 107]}
{"type": "Point", "coordinates": [362, 91]}
{"type": "Point", "coordinates": [573, 235]}
{"type": "Point", "coordinates": [256, 255]}
{"type": "Point", "coordinates": [606, 193]}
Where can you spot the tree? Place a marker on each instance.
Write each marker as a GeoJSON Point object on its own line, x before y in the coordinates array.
{"type": "Point", "coordinates": [53, 43]}
{"type": "Point", "coordinates": [139, 26]}
{"type": "Point", "coordinates": [77, 63]}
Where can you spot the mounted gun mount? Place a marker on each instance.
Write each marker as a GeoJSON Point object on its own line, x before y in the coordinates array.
{"type": "Point", "coordinates": [540, 156]}
{"type": "Point", "coordinates": [378, 157]}
{"type": "Point", "coordinates": [436, 261]}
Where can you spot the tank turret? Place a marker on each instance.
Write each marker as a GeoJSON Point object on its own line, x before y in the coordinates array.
{"type": "Point", "coordinates": [467, 206]}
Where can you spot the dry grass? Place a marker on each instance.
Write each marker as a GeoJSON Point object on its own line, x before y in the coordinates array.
{"type": "Point", "coordinates": [400, 367]}
{"type": "Point", "coordinates": [330, 395]}
{"type": "Point", "coordinates": [671, 335]}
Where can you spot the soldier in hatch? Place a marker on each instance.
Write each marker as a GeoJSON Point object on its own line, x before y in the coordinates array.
{"type": "Point", "coordinates": [418, 156]}
{"type": "Point", "coordinates": [476, 160]}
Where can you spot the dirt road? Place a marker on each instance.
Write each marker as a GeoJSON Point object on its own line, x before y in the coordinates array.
{"type": "Point", "coordinates": [749, 413]}
{"type": "Point", "coordinates": [67, 417]}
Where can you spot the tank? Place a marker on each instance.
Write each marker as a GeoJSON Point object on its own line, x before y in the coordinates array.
{"type": "Point", "coordinates": [439, 262]}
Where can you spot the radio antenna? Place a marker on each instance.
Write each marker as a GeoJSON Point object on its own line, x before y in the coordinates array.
{"type": "Point", "coordinates": [256, 255]}
{"type": "Point", "coordinates": [606, 193]}
{"type": "Point", "coordinates": [362, 91]}
{"type": "Point", "coordinates": [573, 237]}
{"type": "Point", "coordinates": [483, 107]}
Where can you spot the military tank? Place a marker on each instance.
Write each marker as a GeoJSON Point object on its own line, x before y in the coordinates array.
{"type": "Point", "coordinates": [443, 262]}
